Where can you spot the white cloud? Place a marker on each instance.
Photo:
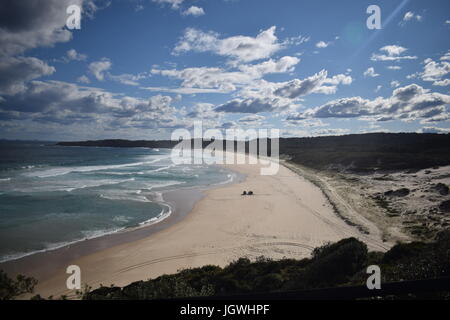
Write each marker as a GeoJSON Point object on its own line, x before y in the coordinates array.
{"type": "Point", "coordinates": [436, 71]}
{"type": "Point", "coordinates": [183, 90]}
{"type": "Point", "coordinates": [317, 83]}
{"type": "Point", "coordinates": [445, 56]}
{"type": "Point", "coordinates": [330, 132]}
{"type": "Point", "coordinates": [378, 88]}
{"type": "Point", "coordinates": [284, 64]}
{"type": "Point", "coordinates": [203, 111]}
{"type": "Point", "coordinates": [322, 44]}
{"type": "Point", "coordinates": [253, 119]}
{"type": "Point", "coordinates": [295, 88]}
{"type": "Point", "coordinates": [393, 67]}
{"type": "Point", "coordinates": [265, 96]}
{"type": "Point", "coordinates": [395, 84]}
{"type": "Point", "coordinates": [194, 11]}
{"type": "Point", "coordinates": [237, 48]}
{"type": "Point", "coordinates": [264, 104]}
{"type": "Point", "coordinates": [72, 54]}
{"type": "Point", "coordinates": [98, 68]}
{"type": "Point", "coordinates": [223, 80]}
{"type": "Point", "coordinates": [391, 53]}
{"type": "Point", "coordinates": [296, 41]}
{"type": "Point", "coordinates": [67, 103]}
{"type": "Point", "coordinates": [434, 130]}
{"type": "Point", "coordinates": [175, 4]}
{"type": "Point", "coordinates": [407, 103]}
{"type": "Point", "coordinates": [410, 16]}
{"type": "Point", "coordinates": [83, 79]}
{"type": "Point", "coordinates": [370, 72]}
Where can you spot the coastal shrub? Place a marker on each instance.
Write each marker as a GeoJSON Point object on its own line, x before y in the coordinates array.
{"type": "Point", "coordinates": [335, 264]}
{"type": "Point", "coordinates": [11, 288]}
{"type": "Point", "coordinates": [332, 264]}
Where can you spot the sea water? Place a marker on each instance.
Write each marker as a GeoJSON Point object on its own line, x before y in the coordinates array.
{"type": "Point", "coordinates": [51, 196]}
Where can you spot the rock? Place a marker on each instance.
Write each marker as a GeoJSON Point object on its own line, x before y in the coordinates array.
{"type": "Point", "coordinates": [441, 188]}
{"type": "Point", "coordinates": [445, 206]}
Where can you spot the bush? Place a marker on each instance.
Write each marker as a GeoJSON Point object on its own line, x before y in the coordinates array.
{"type": "Point", "coordinates": [9, 288]}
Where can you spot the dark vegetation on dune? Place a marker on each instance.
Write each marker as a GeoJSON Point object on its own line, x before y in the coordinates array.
{"type": "Point", "coordinates": [370, 152]}
{"type": "Point", "coordinates": [338, 264]}
{"type": "Point", "coordinates": [356, 152]}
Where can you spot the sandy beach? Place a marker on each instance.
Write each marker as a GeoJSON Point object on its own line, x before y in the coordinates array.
{"type": "Point", "coordinates": [287, 216]}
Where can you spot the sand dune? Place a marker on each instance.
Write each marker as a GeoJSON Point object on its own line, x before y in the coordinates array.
{"type": "Point", "coordinates": [286, 217]}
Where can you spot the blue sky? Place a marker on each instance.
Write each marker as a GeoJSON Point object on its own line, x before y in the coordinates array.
{"type": "Point", "coordinates": [139, 69]}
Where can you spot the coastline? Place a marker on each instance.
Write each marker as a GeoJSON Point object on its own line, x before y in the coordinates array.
{"type": "Point", "coordinates": [287, 216]}
{"type": "Point", "coordinates": [43, 264]}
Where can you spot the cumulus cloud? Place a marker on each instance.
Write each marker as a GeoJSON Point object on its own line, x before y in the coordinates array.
{"type": "Point", "coordinates": [254, 105]}
{"type": "Point", "coordinates": [434, 130]}
{"type": "Point", "coordinates": [265, 96]}
{"type": "Point", "coordinates": [67, 103]}
{"type": "Point", "coordinates": [72, 55]}
{"type": "Point", "coordinates": [203, 111]}
{"type": "Point", "coordinates": [407, 103]}
{"type": "Point", "coordinates": [370, 72]}
{"type": "Point", "coordinates": [322, 44]}
{"type": "Point", "coordinates": [98, 68]}
{"type": "Point", "coordinates": [220, 80]}
{"type": "Point", "coordinates": [29, 24]}
{"type": "Point", "coordinates": [237, 48]}
{"type": "Point", "coordinates": [16, 71]}
{"type": "Point", "coordinates": [284, 64]}
{"type": "Point", "coordinates": [395, 84]}
{"type": "Point", "coordinates": [194, 11]}
{"type": "Point", "coordinates": [253, 119]}
{"type": "Point", "coordinates": [297, 87]}
{"type": "Point", "coordinates": [317, 83]}
{"type": "Point", "coordinates": [436, 71]}
{"type": "Point", "coordinates": [391, 53]}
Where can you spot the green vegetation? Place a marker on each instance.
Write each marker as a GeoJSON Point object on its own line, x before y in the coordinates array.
{"type": "Point", "coordinates": [338, 264]}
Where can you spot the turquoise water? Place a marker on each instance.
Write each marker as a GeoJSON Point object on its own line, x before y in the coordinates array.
{"type": "Point", "coordinates": [51, 196]}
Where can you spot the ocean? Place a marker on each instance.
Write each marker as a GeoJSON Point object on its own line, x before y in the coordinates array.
{"type": "Point", "coordinates": [52, 196]}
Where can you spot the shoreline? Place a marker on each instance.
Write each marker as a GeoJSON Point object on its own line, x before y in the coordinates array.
{"type": "Point", "coordinates": [288, 216]}
{"type": "Point", "coordinates": [42, 264]}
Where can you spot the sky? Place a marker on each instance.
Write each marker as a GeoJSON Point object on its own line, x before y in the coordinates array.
{"type": "Point", "coordinates": [139, 69]}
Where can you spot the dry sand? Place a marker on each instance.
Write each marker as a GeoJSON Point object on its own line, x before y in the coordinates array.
{"type": "Point", "coordinates": [287, 216]}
